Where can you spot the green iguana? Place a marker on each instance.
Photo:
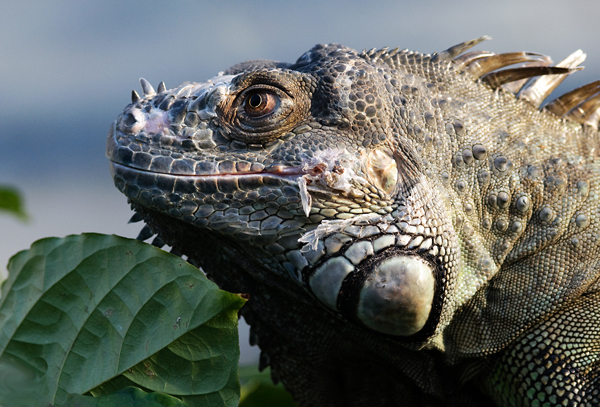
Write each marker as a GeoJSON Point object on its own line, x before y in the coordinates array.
{"type": "Point", "coordinates": [411, 229]}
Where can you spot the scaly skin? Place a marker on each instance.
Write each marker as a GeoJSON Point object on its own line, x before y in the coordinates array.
{"type": "Point", "coordinates": [408, 234]}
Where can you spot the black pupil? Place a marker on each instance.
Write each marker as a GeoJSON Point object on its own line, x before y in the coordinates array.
{"type": "Point", "coordinates": [255, 101]}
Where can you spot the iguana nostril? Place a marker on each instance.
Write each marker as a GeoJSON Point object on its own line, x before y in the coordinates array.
{"type": "Point", "coordinates": [129, 120]}
{"type": "Point", "coordinates": [396, 299]}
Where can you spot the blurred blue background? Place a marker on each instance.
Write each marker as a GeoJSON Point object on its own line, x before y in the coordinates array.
{"type": "Point", "coordinates": [67, 68]}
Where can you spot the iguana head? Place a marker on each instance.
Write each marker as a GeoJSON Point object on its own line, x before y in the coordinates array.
{"type": "Point", "coordinates": [308, 165]}
{"type": "Point", "coordinates": [345, 172]}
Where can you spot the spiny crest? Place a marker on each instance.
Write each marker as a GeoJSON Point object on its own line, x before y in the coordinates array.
{"type": "Point", "coordinates": [569, 101]}
{"type": "Point", "coordinates": [395, 57]}
{"type": "Point", "coordinates": [581, 105]}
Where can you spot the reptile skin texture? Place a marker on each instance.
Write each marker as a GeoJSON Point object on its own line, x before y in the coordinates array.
{"type": "Point", "coordinates": [411, 229]}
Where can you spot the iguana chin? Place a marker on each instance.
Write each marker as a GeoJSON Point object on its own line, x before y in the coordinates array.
{"type": "Point", "coordinates": [411, 229]}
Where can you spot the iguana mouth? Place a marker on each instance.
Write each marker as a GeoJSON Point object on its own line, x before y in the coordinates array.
{"type": "Point", "coordinates": [276, 171]}
{"type": "Point", "coordinates": [307, 180]}
{"type": "Point", "coordinates": [194, 187]}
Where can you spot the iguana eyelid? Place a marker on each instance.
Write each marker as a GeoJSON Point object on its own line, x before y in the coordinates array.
{"type": "Point", "coordinates": [257, 128]}
{"type": "Point", "coordinates": [279, 109]}
{"type": "Point", "coordinates": [288, 110]}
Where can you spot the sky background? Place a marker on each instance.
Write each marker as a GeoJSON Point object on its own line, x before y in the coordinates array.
{"type": "Point", "coordinates": [67, 68]}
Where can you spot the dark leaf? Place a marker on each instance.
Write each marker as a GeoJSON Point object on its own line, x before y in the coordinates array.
{"type": "Point", "coordinates": [77, 313]}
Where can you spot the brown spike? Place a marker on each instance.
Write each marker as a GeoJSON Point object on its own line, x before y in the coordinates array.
{"type": "Point", "coordinates": [465, 59]}
{"type": "Point", "coordinates": [538, 90]}
{"type": "Point", "coordinates": [389, 55]}
{"type": "Point", "coordinates": [370, 52]}
{"type": "Point", "coordinates": [145, 234]}
{"type": "Point", "coordinates": [147, 87]}
{"type": "Point", "coordinates": [158, 242]}
{"type": "Point", "coordinates": [582, 113]}
{"type": "Point", "coordinates": [516, 86]}
{"type": "Point", "coordinates": [393, 52]}
{"type": "Point", "coordinates": [136, 217]}
{"type": "Point", "coordinates": [480, 67]}
{"type": "Point", "coordinates": [594, 119]}
{"type": "Point", "coordinates": [499, 78]}
{"type": "Point", "coordinates": [263, 361]}
{"type": "Point", "coordinates": [134, 96]}
{"type": "Point", "coordinates": [274, 377]}
{"type": "Point", "coordinates": [458, 49]}
{"type": "Point", "coordinates": [378, 53]}
{"type": "Point", "coordinates": [567, 102]}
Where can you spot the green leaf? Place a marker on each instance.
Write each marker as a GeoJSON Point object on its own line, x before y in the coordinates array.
{"type": "Point", "coordinates": [187, 364]}
{"type": "Point", "coordinates": [258, 390]}
{"type": "Point", "coordinates": [19, 385]}
{"type": "Point", "coordinates": [81, 311]}
{"type": "Point", "coordinates": [11, 202]}
{"type": "Point", "coordinates": [130, 397]}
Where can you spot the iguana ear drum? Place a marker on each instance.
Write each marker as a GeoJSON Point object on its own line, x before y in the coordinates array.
{"type": "Point", "coordinates": [394, 297]}
{"type": "Point", "coordinates": [382, 170]}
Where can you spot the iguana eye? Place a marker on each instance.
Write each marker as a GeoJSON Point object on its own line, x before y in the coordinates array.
{"type": "Point", "coordinates": [260, 103]}
{"type": "Point", "coordinates": [260, 110]}
{"type": "Point", "coordinates": [263, 106]}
